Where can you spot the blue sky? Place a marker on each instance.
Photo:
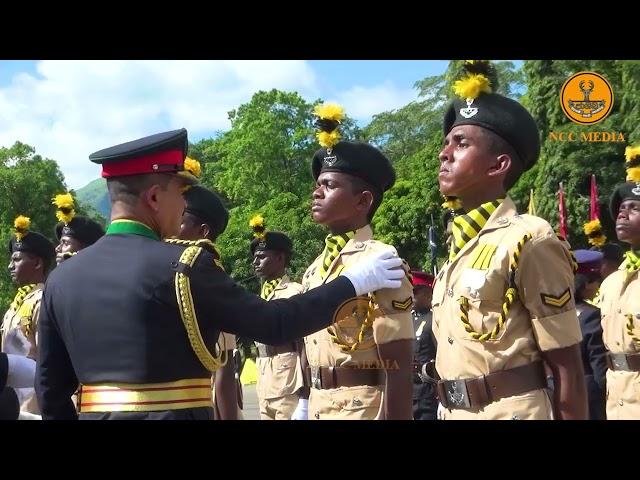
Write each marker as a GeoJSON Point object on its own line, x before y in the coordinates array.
{"type": "Point", "coordinates": [68, 109]}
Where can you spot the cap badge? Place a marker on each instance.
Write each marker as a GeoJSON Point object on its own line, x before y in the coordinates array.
{"type": "Point", "coordinates": [330, 160]}
{"type": "Point", "coordinates": [469, 111]}
{"type": "Point", "coordinates": [262, 244]}
{"type": "Point", "coordinates": [636, 189]}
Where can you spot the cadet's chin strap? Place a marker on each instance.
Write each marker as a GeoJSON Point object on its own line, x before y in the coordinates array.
{"type": "Point", "coordinates": [187, 309]}
{"type": "Point", "coordinates": [510, 296]}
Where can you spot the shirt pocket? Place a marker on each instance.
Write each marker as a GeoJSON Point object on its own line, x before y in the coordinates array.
{"type": "Point", "coordinates": [481, 297]}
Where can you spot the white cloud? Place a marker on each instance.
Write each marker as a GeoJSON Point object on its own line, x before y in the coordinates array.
{"type": "Point", "coordinates": [72, 108]}
{"type": "Point", "coordinates": [363, 102]}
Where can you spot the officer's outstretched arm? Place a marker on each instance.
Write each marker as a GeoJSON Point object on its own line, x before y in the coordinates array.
{"type": "Point", "coordinates": [235, 310]}
{"type": "Point", "coordinates": [56, 381]}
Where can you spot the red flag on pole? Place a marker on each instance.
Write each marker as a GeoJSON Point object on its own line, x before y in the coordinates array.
{"type": "Point", "coordinates": [593, 228]}
{"type": "Point", "coordinates": [563, 213]}
{"type": "Point", "coordinates": [594, 208]}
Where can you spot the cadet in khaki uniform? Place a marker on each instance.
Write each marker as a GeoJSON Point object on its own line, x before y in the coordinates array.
{"type": "Point", "coordinates": [503, 303]}
{"type": "Point", "coordinates": [74, 232]}
{"type": "Point", "coordinates": [205, 217]}
{"type": "Point", "coordinates": [360, 368]}
{"type": "Point", "coordinates": [32, 255]}
{"type": "Point", "coordinates": [620, 301]}
{"type": "Point", "coordinates": [279, 371]}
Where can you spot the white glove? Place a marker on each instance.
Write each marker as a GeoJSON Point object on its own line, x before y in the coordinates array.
{"type": "Point", "coordinates": [382, 270]}
{"type": "Point", "coordinates": [29, 416]}
{"type": "Point", "coordinates": [24, 394]}
{"type": "Point", "coordinates": [16, 343]}
{"type": "Point", "coordinates": [22, 371]}
{"type": "Point", "coordinates": [440, 413]}
{"type": "Point", "coordinates": [302, 410]}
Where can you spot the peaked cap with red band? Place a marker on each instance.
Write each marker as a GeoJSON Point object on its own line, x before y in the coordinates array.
{"type": "Point", "coordinates": [160, 153]}
{"type": "Point", "coordinates": [422, 278]}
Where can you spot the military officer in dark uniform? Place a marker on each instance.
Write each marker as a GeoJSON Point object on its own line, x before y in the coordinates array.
{"type": "Point", "coordinates": [425, 404]}
{"type": "Point", "coordinates": [592, 347]}
{"type": "Point", "coordinates": [132, 321]}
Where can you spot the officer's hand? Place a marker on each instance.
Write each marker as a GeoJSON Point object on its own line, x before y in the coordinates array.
{"type": "Point", "coordinates": [16, 343]}
{"type": "Point", "coordinates": [22, 371]}
{"type": "Point", "coordinates": [440, 412]}
{"type": "Point", "coordinates": [382, 270]}
{"type": "Point", "coordinates": [302, 410]}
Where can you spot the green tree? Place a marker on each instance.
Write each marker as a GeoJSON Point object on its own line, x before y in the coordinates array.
{"type": "Point", "coordinates": [27, 184]}
{"type": "Point", "coordinates": [573, 162]}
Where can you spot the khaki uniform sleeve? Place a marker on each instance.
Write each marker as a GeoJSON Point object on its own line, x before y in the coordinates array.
{"type": "Point", "coordinates": [393, 315]}
{"type": "Point", "coordinates": [34, 321]}
{"type": "Point", "coordinates": [546, 284]}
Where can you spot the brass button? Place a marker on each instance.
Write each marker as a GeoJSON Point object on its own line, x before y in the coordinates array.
{"type": "Point", "coordinates": [619, 310]}
{"type": "Point", "coordinates": [315, 341]}
{"type": "Point", "coordinates": [450, 340]}
{"type": "Point", "coordinates": [450, 292]}
{"type": "Point", "coordinates": [317, 415]}
{"type": "Point", "coordinates": [620, 402]}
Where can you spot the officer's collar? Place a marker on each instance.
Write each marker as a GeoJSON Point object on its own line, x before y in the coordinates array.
{"type": "Point", "coordinates": [123, 226]}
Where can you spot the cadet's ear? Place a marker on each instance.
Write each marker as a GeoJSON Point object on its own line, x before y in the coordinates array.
{"type": "Point", "coordinates": [38, 263]}
{"type": "Point", "coordinates": [500, 166]}
{"type": "Point", "coordinates": [366, 201]}
{"type": "Point", "coordinates": [205, 230]}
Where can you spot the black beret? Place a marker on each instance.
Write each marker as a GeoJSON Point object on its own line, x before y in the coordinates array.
{"type": "Point", "coordinates": [624, 191]}
{"type": "Point", "coordinates": [160, 153]}
{"type": "Point", "coordinates": [35, 243]}
{"type": "Point", "coordinates": [83, 229]}
{"type": "Point", "coordinates": [358, 159]}
{"type": "Point", "coordinates": [272, 241]}
{"type": "Point", "coordinates": [505, 117]}
{"type": "Point", "coordinates": [208, 207]}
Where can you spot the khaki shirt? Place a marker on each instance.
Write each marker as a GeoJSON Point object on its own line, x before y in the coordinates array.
{"type": "Point", "coordinates": [226, 342]}
{"type": "Point", "coordinates": [620, 296]}
{"type": "Point", "coordinates": [392, 321]}
{"type": "Point", "coordinates": [26, 319]}
{"type": "Point", "coordinates": [281, 374]}
{"type": "Point", "coordinates": [543, 317]}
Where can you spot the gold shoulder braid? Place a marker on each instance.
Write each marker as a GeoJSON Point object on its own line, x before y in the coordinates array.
{"type": "Point", "coordinates": [510, 296]}
{"type": "Point", "coordinates": [204, 243]}
{"type": "Point", "coordinates": [366, 324]}
{"type": "Point", "coordinates": [187, 310]}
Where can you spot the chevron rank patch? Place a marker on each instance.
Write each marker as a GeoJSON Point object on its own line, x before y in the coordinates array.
{"type": "Point", "coordinates": [556, 301]}
{"type": "Point", "coordinates": [481, 256]}
{"type": "Point", "coordinates": [402, 305]}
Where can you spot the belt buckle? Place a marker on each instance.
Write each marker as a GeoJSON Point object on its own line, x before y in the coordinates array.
{"type": "Point", "coordinates": [619, 361]}
{"type": "Point", "coordinates": [316, 380]}
{"type": "Point", "coordinates": [425, 375]}
{"type": "Point", "coordinates": [457, 394]}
